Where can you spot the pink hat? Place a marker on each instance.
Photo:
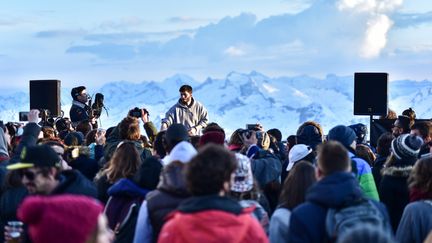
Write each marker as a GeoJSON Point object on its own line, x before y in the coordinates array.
{"type": "Point", "coordinates": [64, 218]}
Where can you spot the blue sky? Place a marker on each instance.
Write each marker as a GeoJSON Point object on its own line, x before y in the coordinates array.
{"type": "Point", "coordinates": [96, 41]}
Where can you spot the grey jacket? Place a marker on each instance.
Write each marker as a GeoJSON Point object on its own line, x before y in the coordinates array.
{"type": "Point", "coordinates": [279, 225]}
{"type": "Point", "coordinates": [416, 222]}
{"type": "Point", "coordinates": [192, 116]}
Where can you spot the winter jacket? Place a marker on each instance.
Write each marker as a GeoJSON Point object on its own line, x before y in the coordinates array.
{"type": "Point", "coordinates": [378, 165]}
{"type": "Point", "coordinates": [211, 219]}
{"type": "Point", "coordinates": [4, 154]}
{"type": "Point", "coordinates": [394, 191]}
{"type": "Point", "coordinates": [416, 222]}
{"type": "Point", "coordinates": [122, 208]}
{"type": "Point", "coordinates": [365, 177]}
{"type": "Point", "coordinates": [258, 213]}
{"type": "Point", "coordinates": [102, 185]}
{"type": "Point", "coordinates": [87, 166]}
{"type": "Point", "coordinates": [266, 167]}
{"type": "Point", "coordinates": [9, 202]}
{"type": "Point", "coordinates": [161, 202]}
{"type": "Point", "coordinates": [193, 115]}
{"type": "Point", "coordinates": [279, 225]}
{"type": "Point", "coordinates": [78, 112]}
{"type": "Point", "coordinates": [73, 182]}
{"type": "Point", "coordinates": [307, 222]}
{"type": "Point", "coordinates": [114, 139]}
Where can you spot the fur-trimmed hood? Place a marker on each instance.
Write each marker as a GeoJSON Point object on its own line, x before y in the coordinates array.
{"type": "Point", "coordinates": [397, 171]}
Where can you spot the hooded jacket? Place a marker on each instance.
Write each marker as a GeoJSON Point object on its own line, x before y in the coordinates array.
{"type": "Point", "coordinates": [394, 192]}
{"type": "Point", "coordinates": [73, 182]}
{"type": "Point", "coordinates": [123, 194]}
{"type": "Point", "coordinates": [169, 194]}
{"type": "Point", "coordinates": [191, 116]}
{"type": "Point", "coordinates": [212, 219]}
{"type": "Point", "coordinates": [307, 223]}
{"type": "Point", "coordinates": [4, 154]}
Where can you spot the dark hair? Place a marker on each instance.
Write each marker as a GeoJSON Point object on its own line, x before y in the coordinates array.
{"type": "Point", "coordinates": [332, 157]}
{"type": "Point", "coordinates": [405, 123]}
{"type": "Point", "coordinates": [84, 127]}
{"type": "Point", "coordinates": [294, 188]}
{"type": "Point", "coordinates": [207, 172]}
{"type": "Point", "coordinates": [90, 137]}
{"type": "Point", "coordinates": [185, 88]}
{"type": "Point", "coordinates": [384, 144]}
{"type": "Point", "coordinates": [424, 128]}
{"type": "Point", "coordinates": [75, 92]}
{"type": "Point", "coordinates": [213, 127]}
{"type": "Point", "coordinates": [124, 163]}
{"type": "Point", "coordinates": [48, 132]}
{"type": "Point", "coordinates": [292, 140]}
{"type": "Point", "coordinates": [129, 129]}
{"type": "Point", "coordinates": [409, 113]}
{"type": "Point", "coordinates": [276, 133]}
{"type": "Point", "coordinates": [62, 124]}
{"type": "Point", "coordinates": [364, 152]}
{"type": "Point", "coordinates": [421, 175]}
{"type": "Point", "coordinates": [158, 144]}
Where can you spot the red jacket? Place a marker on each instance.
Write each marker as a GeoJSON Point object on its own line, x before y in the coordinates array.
{"type": "Point", "coordinates": [212, 219]}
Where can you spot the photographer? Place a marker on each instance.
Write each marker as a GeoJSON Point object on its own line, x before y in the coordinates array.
{"type": "Point", "coordinates": [128, 129]}
{"type": "Point", "coordinates": [80, 111]}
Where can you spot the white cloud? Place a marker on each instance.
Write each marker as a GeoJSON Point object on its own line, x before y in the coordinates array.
{"type": "Point", "coordinates": [378, 22]}
{"type": "Point", "coordinates": [376, 36]}
{"type": "Point", "coordinates": [234, 51]}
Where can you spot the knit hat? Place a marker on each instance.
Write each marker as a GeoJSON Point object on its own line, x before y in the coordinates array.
{"type": "Point", "coordinates": [406, 146]}
{"type": "Point", "coordinates": [65, 218]}
{"type": "Point", "coordinates": [176, 133]}
{"type": "Point", "coordinates": [342, 134]}
{"type": "Point", "coordinates": [243, 177]}
{"type": "Point", "coordinates": [360, 130]}
{"type": "Point", "coordinates": [37, 156]}
{"type": "Point", "coordinates": [183, 152]}
{"type": "Point", "coordinates": [297, 153]}
{"type": "Point", "coordinates": [309, 135]}
{"type": "Point", "coordinates": [212, 137]}
{"type": "Point", "coordinates": [74, 139]}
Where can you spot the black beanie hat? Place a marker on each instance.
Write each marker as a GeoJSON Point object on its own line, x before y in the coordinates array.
{"type": "Point", "coordinates": [342, 134]}
{"type": "Point", "coordinates": [176, 133]}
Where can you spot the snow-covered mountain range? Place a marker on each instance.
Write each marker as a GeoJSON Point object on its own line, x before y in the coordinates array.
{"type": "Point", "coordinates": [239, 99]}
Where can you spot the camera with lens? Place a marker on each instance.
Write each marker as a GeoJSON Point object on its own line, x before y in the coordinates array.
{"type": "Point", "coordinates": [135, 112]}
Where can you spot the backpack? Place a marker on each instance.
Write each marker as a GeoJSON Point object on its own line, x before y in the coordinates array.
{"type": "Point", "coordinates": [341, 220]}
{"type": "Point", "coordinates": [122, 214]}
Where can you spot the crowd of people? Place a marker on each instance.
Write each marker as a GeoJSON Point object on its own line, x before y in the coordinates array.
{"type": "Point", "coordinates": [190, 182]}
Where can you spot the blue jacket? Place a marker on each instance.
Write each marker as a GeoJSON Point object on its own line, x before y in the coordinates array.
{"type": "Point", "coordinates": [307, 223]}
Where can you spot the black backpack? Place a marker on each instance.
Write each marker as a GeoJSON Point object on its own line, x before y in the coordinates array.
{"type": "Point", "coordinates": [341, 220]}
{"type": "Point", "coordinates": [123, 213]}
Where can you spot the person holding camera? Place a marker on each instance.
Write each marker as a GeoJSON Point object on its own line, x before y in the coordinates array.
{"type": "Point", "coordinates": [79, 110]}
{"type": "Point", "coordinates": [187, 111]}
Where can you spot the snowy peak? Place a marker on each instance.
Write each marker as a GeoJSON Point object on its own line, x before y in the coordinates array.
{"type": "Point", "coordinates": [241, 98]}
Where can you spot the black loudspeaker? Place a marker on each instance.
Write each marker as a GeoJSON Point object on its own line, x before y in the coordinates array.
{"type": "Point", "coordinates": [370, 93]}
{"type": "Point", "coordinates": [45, 94]}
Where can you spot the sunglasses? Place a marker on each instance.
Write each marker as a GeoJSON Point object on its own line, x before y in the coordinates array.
{"type": "Point", "coordinates": [30, 175]}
